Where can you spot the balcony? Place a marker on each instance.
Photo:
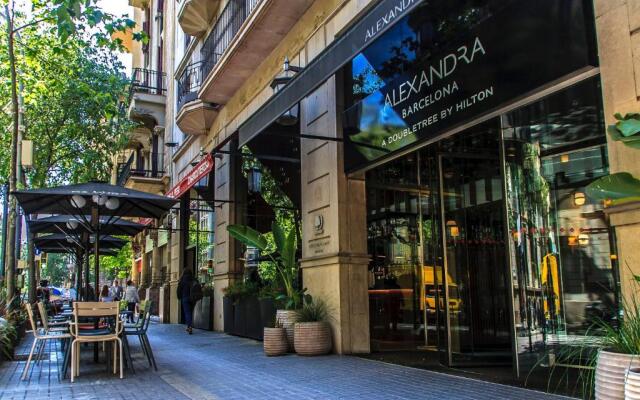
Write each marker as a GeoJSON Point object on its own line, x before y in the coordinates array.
{"type": "Point", "coordinates": [147, 97]}
{"type": "Point", "coordinates": [133, 175]}
{"type": "Point", "coordinates": [195, 15]}
{"type": "Point", "coordinates": [194, 116]}
{"type": "Point", "coordinates": [139, 3]}
{"type": "Point", "coordinates": [245, 33]}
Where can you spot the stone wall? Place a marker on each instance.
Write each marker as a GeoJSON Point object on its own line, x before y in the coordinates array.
{"type": "Point", "coordinates": [618, 30]}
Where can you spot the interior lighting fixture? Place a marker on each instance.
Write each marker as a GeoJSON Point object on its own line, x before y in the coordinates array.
{"type": "Point", "coordinates": [579, 198]}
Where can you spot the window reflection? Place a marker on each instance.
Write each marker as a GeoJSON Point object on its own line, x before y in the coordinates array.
{"type": "Point", "coordinates": [560, 242]}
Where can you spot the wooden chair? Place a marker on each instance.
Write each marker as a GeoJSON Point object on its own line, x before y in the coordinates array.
{"type": "Point", "coordinates": [40, 338]}
{"type": "Point", "coordinates": [110, 334]}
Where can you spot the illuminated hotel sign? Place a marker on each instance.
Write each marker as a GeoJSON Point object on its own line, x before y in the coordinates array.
{"type": "Point", "coordinates": [415, 82]}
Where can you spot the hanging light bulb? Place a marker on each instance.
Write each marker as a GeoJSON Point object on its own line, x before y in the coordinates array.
{"type": "Point", "coordinates": [112, 203]}
{"type": "Point", "coordinates": [72, 224]}
{"type": "Point", "coordinates": [92, 239]}
{"type": "Point", "coordinates": [78, 201]}
{"type": "Point", "coordinates": [69, 239]}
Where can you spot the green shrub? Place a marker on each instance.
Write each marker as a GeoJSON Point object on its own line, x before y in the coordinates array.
{"type": "Point", "coordinates": [313, 311]}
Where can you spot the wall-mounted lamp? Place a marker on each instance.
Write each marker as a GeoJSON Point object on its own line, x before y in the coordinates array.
{"type": "Point", "coordinates": [454, 231]}
{"type": "Point", "coordinates": [564, 158]}
{"type": "Point", "coordinates": [583, 239]}
{"type": "Point", "coordinates": [254, 180]}
{"type": "Point", "coordinates": [290, 117]}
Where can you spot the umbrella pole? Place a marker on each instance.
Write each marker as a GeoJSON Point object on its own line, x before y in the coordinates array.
{"type": "Point", "coordinates": [95, 215]}
{"type": "Point", "coordinates": [87, 287]}
{"type": "Point", "coordinates": [78, 273]}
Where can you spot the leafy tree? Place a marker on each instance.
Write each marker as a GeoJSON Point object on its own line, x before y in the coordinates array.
{"type": "Point", "coordinates": [117, 266]}
{"type": "Point", "coordinates": [55, 269]}
{"type": "Point", "coordinates": [42, 41]}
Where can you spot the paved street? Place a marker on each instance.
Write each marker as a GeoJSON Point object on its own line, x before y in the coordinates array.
{"type": "Point", "coordinates": [210, 365]}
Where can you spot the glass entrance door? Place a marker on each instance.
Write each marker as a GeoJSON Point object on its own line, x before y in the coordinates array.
{"type": "Point", "coordinates": [472, 207]}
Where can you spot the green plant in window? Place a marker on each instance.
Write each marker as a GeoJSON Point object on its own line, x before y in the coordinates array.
{"type": "Point", "coordinates": [626, 129]}
{"type": "Point", "coordinates": [284, 258]}
{"type": "Point", "coordinates": [615, 189]}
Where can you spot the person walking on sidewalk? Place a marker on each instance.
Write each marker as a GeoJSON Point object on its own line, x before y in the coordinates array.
{"type": "Point", "coordinates": [189, 293]}
{"type": "Point", "coordinates": [132, 298]}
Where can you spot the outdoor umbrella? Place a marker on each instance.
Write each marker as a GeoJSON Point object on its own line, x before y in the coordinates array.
{"type": "Point", "coordinates": [73, 242]}
{"type": "Point", "coordinates": [72, 225]}
{"type": "Point", "coordinates": [96, 200]}
{"type": "Point", "coordinates": [83, 199]}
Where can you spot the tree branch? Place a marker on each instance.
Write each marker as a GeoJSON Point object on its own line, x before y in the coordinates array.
{"type": "Point", "coordinates": [37, 21]}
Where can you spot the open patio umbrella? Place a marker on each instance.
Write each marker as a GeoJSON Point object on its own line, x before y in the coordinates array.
{"type": "Point", "coordinates": [96, 200]}
{"type": "Point", "coordinates": [71, 225]}
{"type": "Point", "coordinates": [83, 199]}
{"type": "Point", "coordinates": [73, 241]}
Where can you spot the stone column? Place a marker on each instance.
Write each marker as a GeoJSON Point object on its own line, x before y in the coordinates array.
{"type": "Point", "coordinates": [153, 292]}
{"type": "Point", "coordinates": [618, 30]}
{"type": "Point", "coordinates": [334, 246]}
{"type": "Point", "coordinates": [226, 266]}
{"type": "Point", "coordinates": [144, 273]}
{"type": "Point", "coordinates": [175, 257]}
{"type": "Point", "coordinates": [135, 275]}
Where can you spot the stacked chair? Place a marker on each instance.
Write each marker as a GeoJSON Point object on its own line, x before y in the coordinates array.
{"type": "Point", "coordinates": [40, 338]}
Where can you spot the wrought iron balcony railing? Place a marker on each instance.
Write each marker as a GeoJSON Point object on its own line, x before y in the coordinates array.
{"type": "Point", "coordinates": [148, 81]}
{"type": "Point", "coordinates": [189, 84]}
{"type": "Point", "coordinates": [225, 29]}
{"type": "Point", "coordinates": [128, 169]}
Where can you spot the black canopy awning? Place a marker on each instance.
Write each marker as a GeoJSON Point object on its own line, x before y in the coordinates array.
{"type": "Point", "coordinates": [74, 242]}
{"type": "Point", "coordinates": [129, 203]}
{"type": "Point", "coordinates": [65, 224]}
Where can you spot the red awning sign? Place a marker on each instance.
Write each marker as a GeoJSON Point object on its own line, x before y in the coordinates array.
{"type": "Point", "coordinates": [198, 172]}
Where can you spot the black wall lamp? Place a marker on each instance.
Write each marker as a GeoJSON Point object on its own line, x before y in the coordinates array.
{"type": "Point", "coordinates": [290, 117]}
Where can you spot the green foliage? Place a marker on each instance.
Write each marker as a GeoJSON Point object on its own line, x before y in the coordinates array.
{"type": "Point", "coordinates": [313, 310]}
{"type": "Point", "coordinates": [118, 266]}
{"type": "Point", "coordinates": [626, 129]}
{"type": "Point", "coordinates": [73, 111]}
{"type": "Point", "coordinates": [284, 258]}
{"type": "Point", "coordinates": [8, 338]}
{"type": "Point", "coordinates": [55, 269]}
{"type": "Point", "coordinates": [618, 188]}
{"type": "Point", "coordinates": [241, 290]}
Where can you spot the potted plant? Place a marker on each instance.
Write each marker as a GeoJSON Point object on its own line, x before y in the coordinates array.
{"type": "Point", "coordinates": [312, 335]}
{"type": "Point", "coordinates": [203, 312]}
{"type": "Point", "coordinates": [620, 350]}
{"type": "Point", "coordinates": [632, 385]}
{"type": "Point", "coordinates": [275, 341]}
{"type": "Point", "coordinates": [286, 266]}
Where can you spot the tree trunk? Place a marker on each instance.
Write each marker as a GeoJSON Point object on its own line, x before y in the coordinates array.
{"type": "Point", "coordinates": [11, 228]}
{"type": "Point", "coordinates": [31, 262]}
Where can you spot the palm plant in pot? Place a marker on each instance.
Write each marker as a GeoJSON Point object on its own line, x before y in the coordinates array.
{"type": "Point", "coordinates": [284, 258]}
{"type": "Point", "coordinates": [312, 335]}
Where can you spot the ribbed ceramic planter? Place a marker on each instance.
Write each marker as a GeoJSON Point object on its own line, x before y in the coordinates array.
{"type": "Point", "coordinates": [312, 338]}
{"type": "Point", "coordinates": [611, 373]}
{"type": "Point", "coordinates": [286, 319]}
{"type": "Point", "coordinates": [275, 341]}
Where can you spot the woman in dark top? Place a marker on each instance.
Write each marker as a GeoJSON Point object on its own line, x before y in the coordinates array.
{"type": "Point", "coordinates": [184, 295]}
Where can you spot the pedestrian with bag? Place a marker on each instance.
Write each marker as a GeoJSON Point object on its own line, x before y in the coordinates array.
{"type": "Point", "coordinates": [189, 293]}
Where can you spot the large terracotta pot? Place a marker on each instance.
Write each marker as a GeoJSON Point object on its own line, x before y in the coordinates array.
{"type": "Point", "coordinates": [286, 319]}
{"type": "Point", "coordinates": [611, 371]}
{"type": "Point", "coordinates": [275, 341]}
{"type": "Point", "coordinates": [632, 384]}
{"type": "Point", "coordinates": [312, 338]}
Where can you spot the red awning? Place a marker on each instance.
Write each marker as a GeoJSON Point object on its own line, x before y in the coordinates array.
{"type": "Point", "coordinates": [202, 169]}
{"type": "Point", "coordinates": [198, 172]}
